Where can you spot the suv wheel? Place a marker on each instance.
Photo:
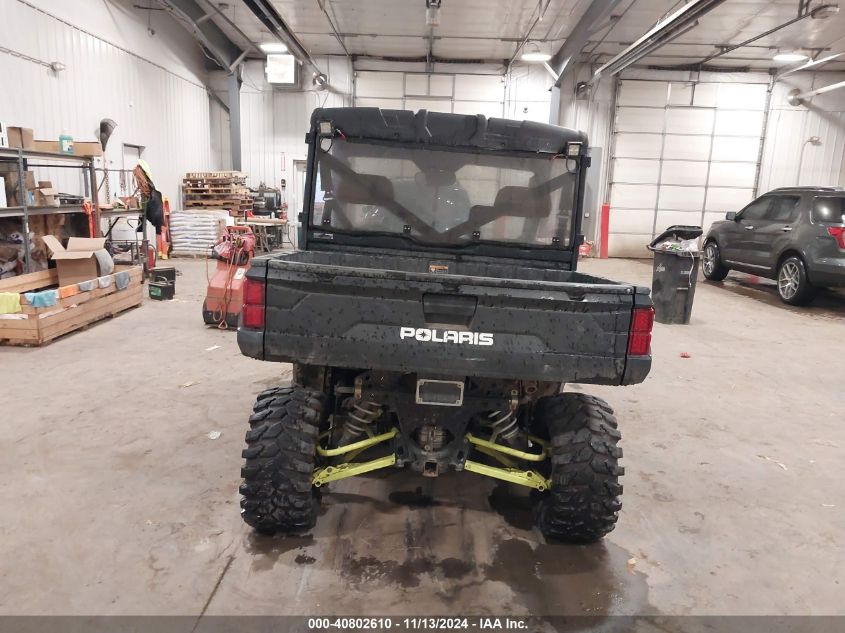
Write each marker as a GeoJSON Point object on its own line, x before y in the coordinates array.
{"type": "Point", "coordinates": [793, 286]}
{"type": "Point", "coordinates": [714, 270]}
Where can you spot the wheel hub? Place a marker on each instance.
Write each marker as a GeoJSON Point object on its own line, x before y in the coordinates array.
{"type": "Point", "coordinates": [789, 280]}
{"type": "Point", "coordinates": [709, 259]}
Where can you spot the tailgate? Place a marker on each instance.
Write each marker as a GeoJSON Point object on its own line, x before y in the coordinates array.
{"type": "Point", "coordinates": [442, 324]}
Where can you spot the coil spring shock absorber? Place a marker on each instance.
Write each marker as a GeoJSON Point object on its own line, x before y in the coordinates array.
{"type": "Point", "coordinates": [503, 424]}
{"type": "Point", "coordinates": [358, 420]}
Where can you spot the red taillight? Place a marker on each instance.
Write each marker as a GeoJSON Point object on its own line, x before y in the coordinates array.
{"type": "Point", "coordinates": [253, 309]}
{"type": "Point", "coordinates": [254, 317]}
{"type": "Point", "coordinates": [838, 233]}
{"type": "Point", "coordinates": [253, 292]}
{"type": "Point", "coordinates": [639, 339]}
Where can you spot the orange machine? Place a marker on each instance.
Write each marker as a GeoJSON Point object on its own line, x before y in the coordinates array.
{"type": "Point", "coordinates": [223, 300]}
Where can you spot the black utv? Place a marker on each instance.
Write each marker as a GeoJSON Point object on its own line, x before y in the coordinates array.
{"type": "Point", "coordinates": [433, 315]}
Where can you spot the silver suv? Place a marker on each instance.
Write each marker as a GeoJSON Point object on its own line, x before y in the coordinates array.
{"type": "Point", "coordinates": [795, 235]}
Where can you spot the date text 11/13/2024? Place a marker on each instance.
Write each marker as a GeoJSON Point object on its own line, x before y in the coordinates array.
{"type": "Point", "coordinates": [417, 624]}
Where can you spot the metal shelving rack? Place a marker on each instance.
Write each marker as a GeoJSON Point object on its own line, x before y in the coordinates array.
{"type": "Point", "coordinates": [22, 158]}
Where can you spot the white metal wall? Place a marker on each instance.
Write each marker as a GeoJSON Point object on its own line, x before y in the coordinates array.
{"type": "Point", "coordinates": [683, 153]}
{"type": "Point", "coordinates": [163, 109]}
{"type": "Point", "coordinates": [441, 92]}
{"type": "Point", "coordinates": [527, 95]}
{"type": "Point", "coordinates": [274, 121]}
{"type": "Point", "coordinates": [789, 158]}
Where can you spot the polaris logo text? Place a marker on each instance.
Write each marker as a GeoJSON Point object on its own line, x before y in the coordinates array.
{"type": "Point", "coordinates": [446, 336]}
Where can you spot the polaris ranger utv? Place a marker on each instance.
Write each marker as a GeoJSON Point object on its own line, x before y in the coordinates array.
{"type": "Point", "coordinates": [433, 315]}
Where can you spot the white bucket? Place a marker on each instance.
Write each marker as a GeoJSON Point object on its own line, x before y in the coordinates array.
{"type": "Point", "coordinates": [124, 228]}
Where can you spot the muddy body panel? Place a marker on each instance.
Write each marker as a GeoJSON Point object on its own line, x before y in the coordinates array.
{"type": "Point", "coordinates": [493, 320]}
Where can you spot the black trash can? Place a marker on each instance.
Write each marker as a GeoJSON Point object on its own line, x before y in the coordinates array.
{"type": "Point", "coordinates": [673, 285]}
{"type": "Point", "coordinates": [674, 276]}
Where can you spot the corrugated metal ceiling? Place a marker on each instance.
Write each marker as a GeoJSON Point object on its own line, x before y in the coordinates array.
{"type": "Point", "coordinates": [492, 29]}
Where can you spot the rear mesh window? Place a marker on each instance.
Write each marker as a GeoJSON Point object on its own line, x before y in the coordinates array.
{"type": "Point", "coordinates": [829, 210]}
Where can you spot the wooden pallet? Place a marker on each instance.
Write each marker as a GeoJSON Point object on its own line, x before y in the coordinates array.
{"type": "Point", "coordinates": [217, 189]}
{"type": "Point", "coordinates": [42, 325]}
{"type": "Point", "coordinates": [217, 195]}
{"type": "Point", "coordinates": [206, 175]}
{"type": "Point", "coordinates": [234, 191]}
{"type": "Point", "coordinates": [216, 204]}
{"type": "Point", "coordinates": [214, 182]}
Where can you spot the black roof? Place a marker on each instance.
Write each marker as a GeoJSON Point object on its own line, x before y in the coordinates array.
{"type": "Point", "coordinates": [448, 130]}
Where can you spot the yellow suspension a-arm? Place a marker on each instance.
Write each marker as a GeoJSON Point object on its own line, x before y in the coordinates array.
{"type": "Point", "coordinates": [504, 454]}
{"type": "Point", "coordinates": [324, 475]}
{"type": "Point", "coordinates": [358, 446]}
{"type": "Point", "coordinates": [507, 450]}
{"type": "Point", "coordinates": [530, 478]}
{"type": "Point", "coordinates": [501, 453]}
{"type": "Point", "coordinates": [350, 469]}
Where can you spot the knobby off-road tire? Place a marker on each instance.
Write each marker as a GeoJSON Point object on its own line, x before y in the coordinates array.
{"type": "Point", "coordinates": [277, 495]}
{"type": "Point", "coordinates": [584, 500]}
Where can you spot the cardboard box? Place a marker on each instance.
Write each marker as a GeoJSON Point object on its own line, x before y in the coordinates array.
{"type": "Point", "coordinates": [46, 197]}
{"type": "Point", "coordinates": [21, 137]}
{"type": "Point", "coordinates": [87, 148]}
{"type": "Point", "coordinates": [11, 177]}
{"type": "Point", "coordinates": [76, 262]}
{"type": "Point", "coordinates": [45, 146]}
{"type": "Point", "coordinates": [13, 197]}
{"type": "Point", "coordinates": [80, 148]}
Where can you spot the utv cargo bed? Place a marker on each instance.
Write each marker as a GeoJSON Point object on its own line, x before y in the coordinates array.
{"type": "Point", "coordinates": [445, 317]}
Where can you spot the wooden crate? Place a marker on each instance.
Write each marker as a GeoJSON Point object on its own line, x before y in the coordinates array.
{"type": "Point", "coordinates": [37, 326]}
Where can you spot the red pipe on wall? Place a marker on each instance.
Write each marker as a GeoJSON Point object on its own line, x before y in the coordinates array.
{"type": "Point", "coordinates": [605, 229]}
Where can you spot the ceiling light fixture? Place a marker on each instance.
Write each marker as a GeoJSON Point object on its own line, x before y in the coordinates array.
{"type": "Point", "coordinates": [790, 57]}
{"type": "Point", "coordinates": [274, 47]}
{"type": "Point", "coordinates": [667, 30]}
{"type": "Point", "coordinates": [432, 12]}
{"type": "Point", "coordinates": [816, 62]}
{"type": "Point", "coordinates": [532, 53]}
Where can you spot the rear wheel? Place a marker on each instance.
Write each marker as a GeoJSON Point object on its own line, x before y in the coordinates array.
{"type": "Point", "coordinates": [793, 286]}
{"type": "Point", "coordinates": [583, 502]}
{"type": "Point", "coordinates": [277, 495]}
{"type": "Point", "coordinates": [714, 269]}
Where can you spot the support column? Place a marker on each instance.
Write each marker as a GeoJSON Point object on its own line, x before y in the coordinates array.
{"type": "Point", "coordinates": [234, 80]}
{"type": "Point", "coordinates": [554, 106]}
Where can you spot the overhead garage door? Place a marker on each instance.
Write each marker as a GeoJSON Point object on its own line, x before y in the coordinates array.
{"type": "Point", "coordinates": [462, 94]}
{"type": "Point", "coordinates": [683, 153]}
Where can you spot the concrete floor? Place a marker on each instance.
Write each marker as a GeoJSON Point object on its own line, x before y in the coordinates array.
{"type": "Point", "coordinates": [115, 501]}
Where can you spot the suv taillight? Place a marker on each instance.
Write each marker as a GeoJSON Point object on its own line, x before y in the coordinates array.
{"type": "Point", "coordinates": [253, 309]}
{"type": "Point", "coordinates": [838, 233]}
{"type": "Point", "coordinates": [639, 339]}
